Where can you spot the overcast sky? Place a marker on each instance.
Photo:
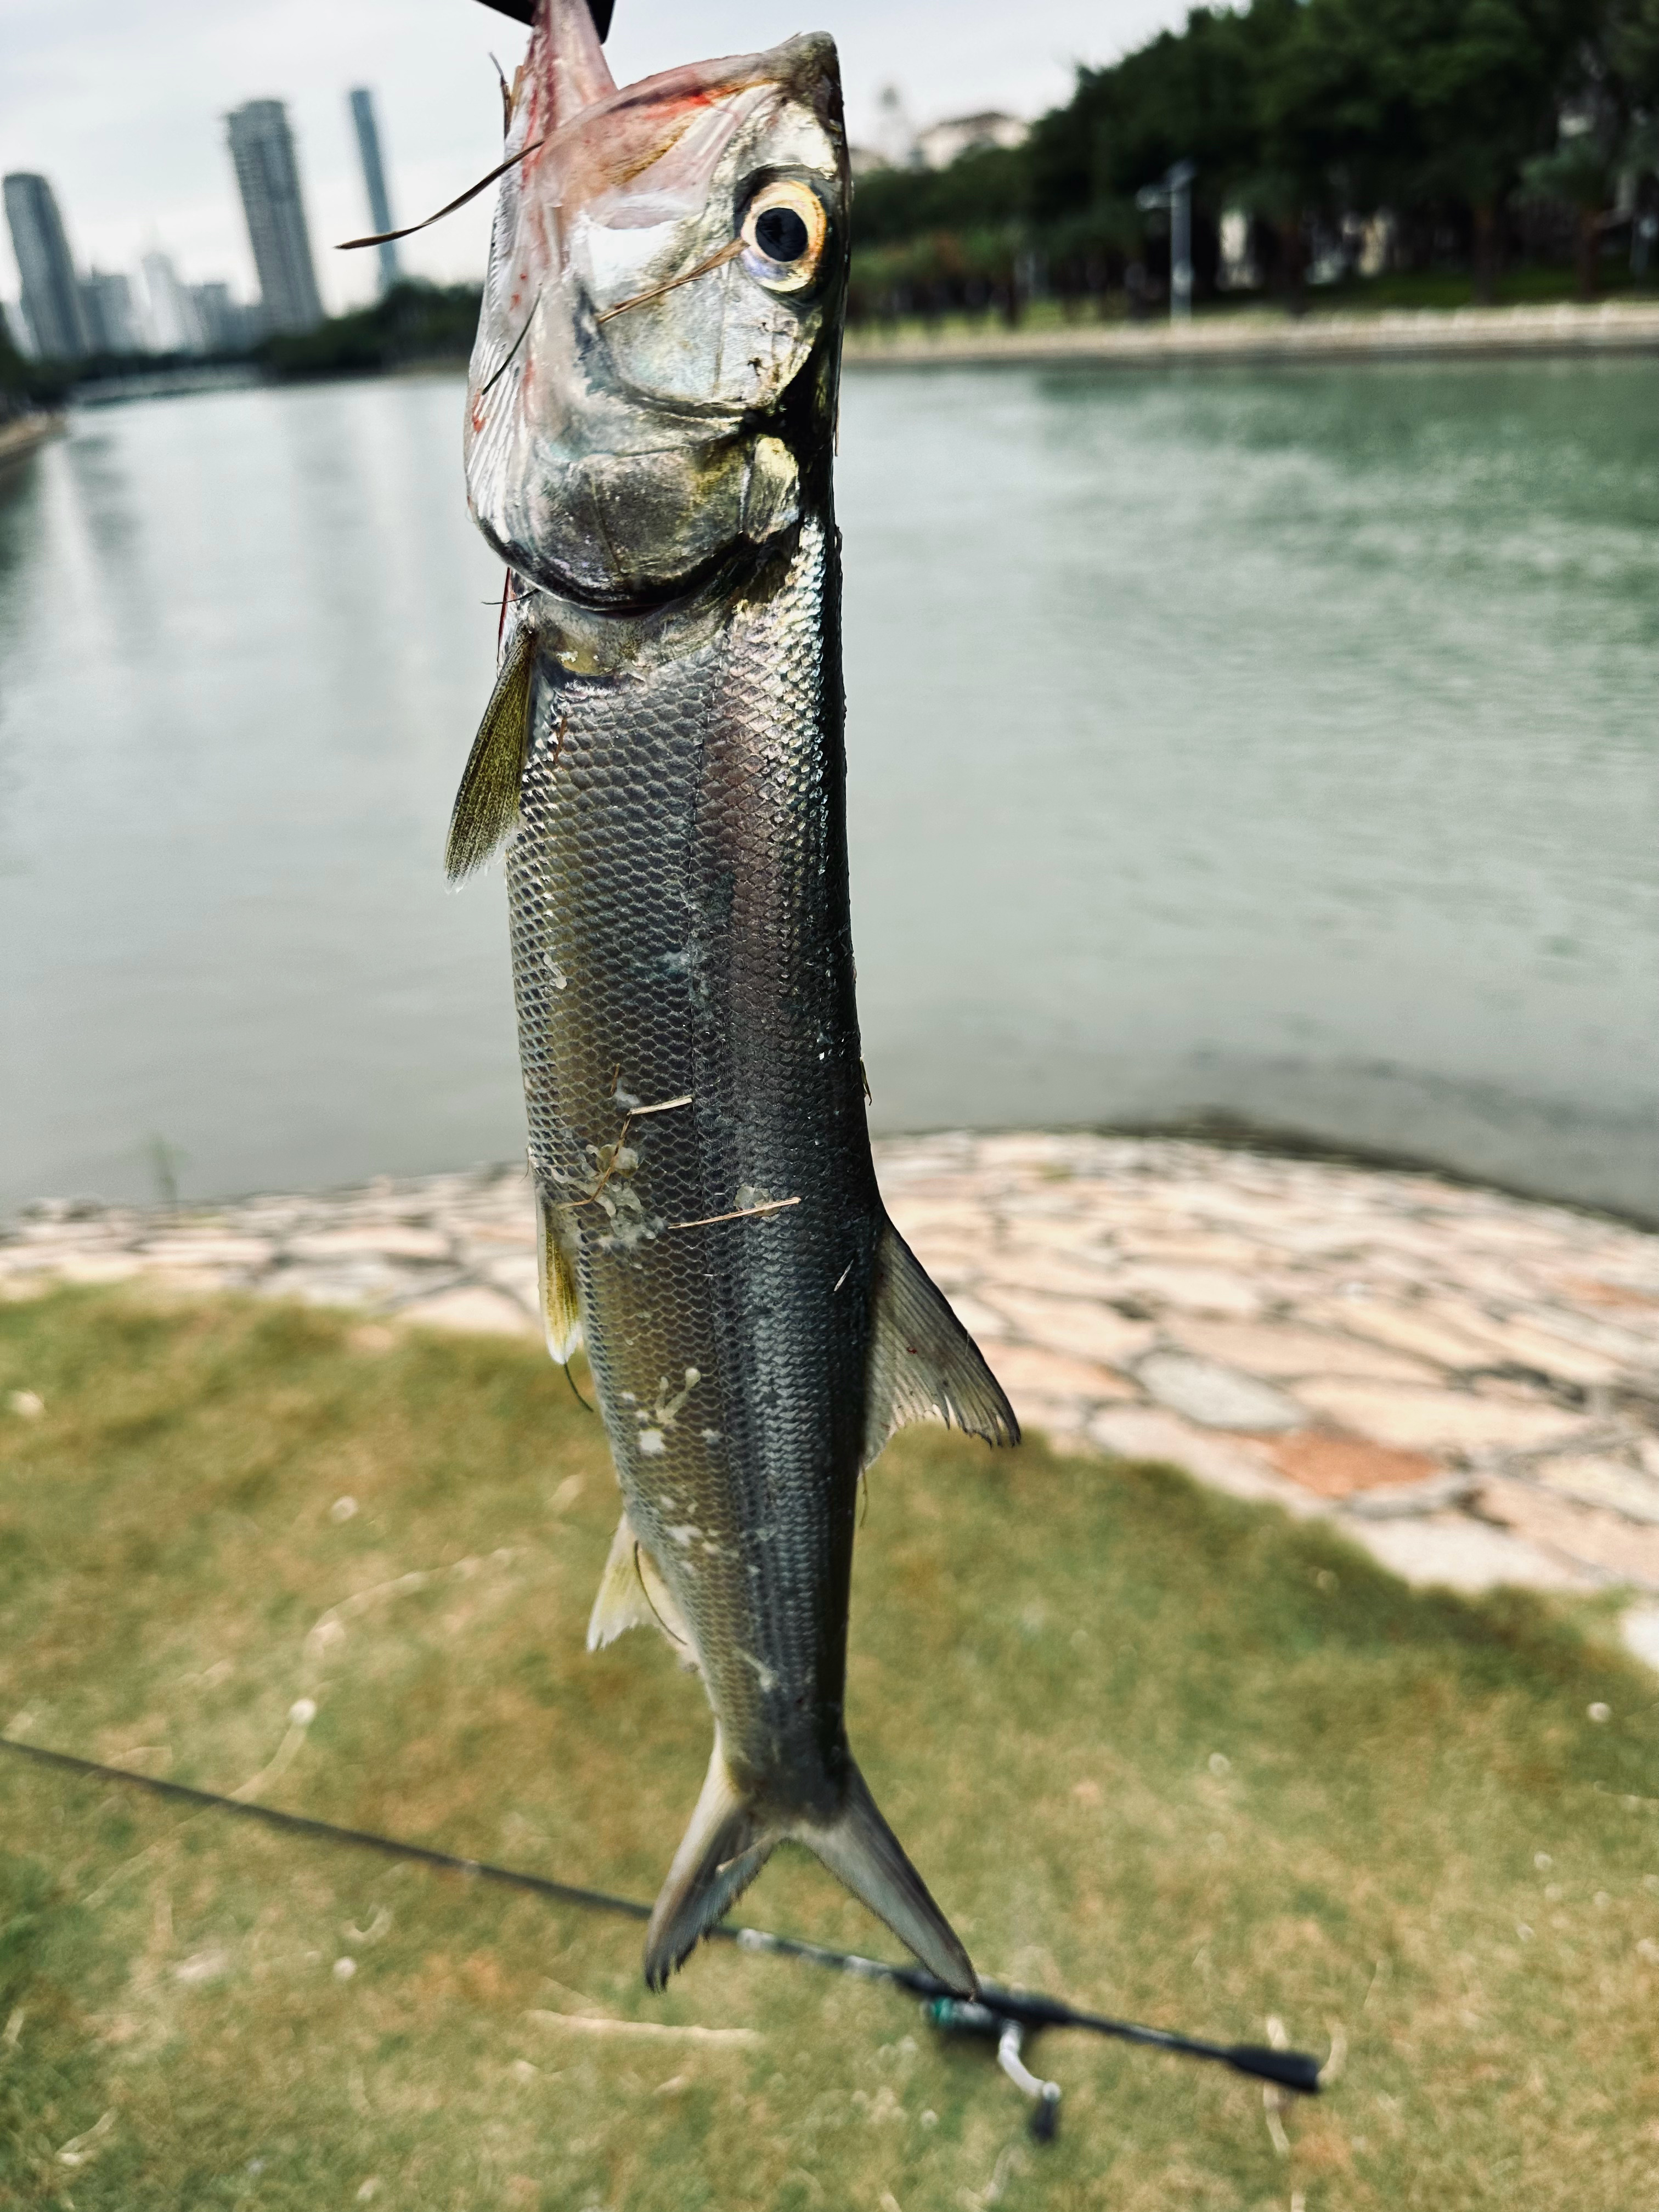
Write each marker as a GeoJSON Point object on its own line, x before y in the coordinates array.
{"type": "Point", "coordinates": [120, 102]}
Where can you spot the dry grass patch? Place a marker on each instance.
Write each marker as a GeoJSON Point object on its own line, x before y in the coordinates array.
{"type": "Point", "coordinates": [1168, 1754]}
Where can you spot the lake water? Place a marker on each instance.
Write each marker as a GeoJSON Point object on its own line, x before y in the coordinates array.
{"type": "Point", "coordinates": [1283, 744]}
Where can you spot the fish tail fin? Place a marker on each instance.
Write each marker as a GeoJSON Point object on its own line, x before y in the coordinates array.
{"type": "Point", "coordinates": [861, 1850]}
{"type": "Point", "coordinates": [725, 1846]}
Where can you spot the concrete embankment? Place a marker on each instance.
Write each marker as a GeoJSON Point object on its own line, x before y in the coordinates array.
{"type": "Point", "coordinates": [1467, 1383]}
{"type": "Point", "coordinates": [19, 437]}
{"type": "Point", "coordinates": [1613, 327]}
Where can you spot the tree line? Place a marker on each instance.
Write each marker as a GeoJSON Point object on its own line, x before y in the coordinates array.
{"type": "Point", "coordinates": [1417, 135]}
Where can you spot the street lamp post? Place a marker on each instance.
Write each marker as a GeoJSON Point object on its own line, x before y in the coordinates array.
{"type": "Point", "coordinates": [1174, 192]}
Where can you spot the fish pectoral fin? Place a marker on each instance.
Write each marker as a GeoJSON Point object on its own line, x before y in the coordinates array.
{"type": "Point", "coordinates": [555, 1270]}
{"type": "Point", "coordinates": [723, 1849]}
{"type": "Point", "coordinates": [631, 1594]}
{"type": "Point", "coordinates": [860, 1850]}
{"type": "Point", "coordinates": [922, 1360]}
{"type": "Point", "coordinates": [487, 804]}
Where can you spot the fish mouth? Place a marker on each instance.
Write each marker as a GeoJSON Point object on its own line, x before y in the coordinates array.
{"type": "Point", "coordinates": [716, 579]}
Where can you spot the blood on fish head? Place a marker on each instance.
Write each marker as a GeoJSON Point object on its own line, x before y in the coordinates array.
{"type": "Point", "coordinates": [668, 260]}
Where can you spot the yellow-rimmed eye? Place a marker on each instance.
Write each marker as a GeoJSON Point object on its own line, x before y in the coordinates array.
{"type": "Point", "coordinates": [783, 235]}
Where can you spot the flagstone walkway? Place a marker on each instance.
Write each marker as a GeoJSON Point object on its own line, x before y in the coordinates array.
{"type": "Point", "coordinates": [1468, 1382]}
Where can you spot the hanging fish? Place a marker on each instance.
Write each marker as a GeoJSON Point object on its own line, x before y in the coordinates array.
{"type": "Point", "coordinates": [650, 426]}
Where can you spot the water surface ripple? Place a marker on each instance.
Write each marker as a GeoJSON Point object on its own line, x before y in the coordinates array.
{"type": "Point", "coordinates": [1275, 742]}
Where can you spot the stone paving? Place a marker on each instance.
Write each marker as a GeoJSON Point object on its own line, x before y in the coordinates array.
{"type": "Point", "coordinates": [1566, 327]}
{"type": "Point", "coordinates": [1468, 1382]}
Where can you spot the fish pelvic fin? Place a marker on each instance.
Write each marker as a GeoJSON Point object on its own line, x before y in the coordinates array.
{"type": "Point", "coordinates": [555, 1273]}
{"type": "Point", "coordinates": [487, 804]}
{"type": "Point", "coordinates": [923, 1363]}
{"type": "Point", "coordinates": [725, 1846]}
{"type": "Point", "coordinates": [632, 1595]}
{"type": "Point", "coordinates": [860, 1850]}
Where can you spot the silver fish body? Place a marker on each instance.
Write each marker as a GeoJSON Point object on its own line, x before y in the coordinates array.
{"type": "Point", "coordinates": [668, 726]}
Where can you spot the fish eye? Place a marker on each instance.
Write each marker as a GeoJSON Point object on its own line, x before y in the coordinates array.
{"type": "Point", "coordinates": [784, 230]}
{"type": "Point", "coordinates": [781, 234]}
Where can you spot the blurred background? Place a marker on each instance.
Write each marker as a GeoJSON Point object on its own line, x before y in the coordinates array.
{"type": "Point", "coordinates": [1231, 746]}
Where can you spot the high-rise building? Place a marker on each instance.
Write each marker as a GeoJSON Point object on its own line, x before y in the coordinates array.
{"type": "Point", "coordinates": [51, 291]}
{"type": "Point", "coordinates": [17, 328]}
{"type": "Point", "coordinates": [222, 321]}
{"type": "Point", "coordinates": [268, 174]}
{"type": "Point", "coordinates": [379, 206]}
{"type": "Point", "coordinates": [174, 324]}
{"type": "Point", "coordinates": [111, 319]}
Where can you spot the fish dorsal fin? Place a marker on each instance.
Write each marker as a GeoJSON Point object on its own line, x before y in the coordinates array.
{"type": "Point", "coordinates": [923, 1364]}
{"type": "Point", "coordinates": [556, 1269]}
{"type": "Point", "coordinates": [632, 1593]}
{"type": "Point", "coordinates": [487, 804]}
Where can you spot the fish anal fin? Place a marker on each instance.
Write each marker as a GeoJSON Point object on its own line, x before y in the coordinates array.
{"type": "Point", "coordinates": [860, 1850]}
{"type": "Point", "coordinates": [632, 1594]}
{"type": "Point", "coordinates": [722, 1850]}
{"type": "Point", "coordinates": [556, 1269]}
{"type": "Point", "coordinates": [487, 804]}
{"type": "Point", "coordinates": [923, 1364]}
{"type": "Point", "coordinates": [620, 1602]}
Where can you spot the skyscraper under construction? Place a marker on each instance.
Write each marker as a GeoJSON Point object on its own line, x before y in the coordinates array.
{"type": "Point", "coordinates": [268, 174]}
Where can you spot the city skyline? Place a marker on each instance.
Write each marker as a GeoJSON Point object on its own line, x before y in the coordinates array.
{"type": "Point", "coordinates": [66, 312]}
{"type": "Point", "coordinates": [130, 108]}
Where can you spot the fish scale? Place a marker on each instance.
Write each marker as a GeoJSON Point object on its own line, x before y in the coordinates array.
{"type": "Point", "coordinates": [673, 864]}
{"type": "Point", "coordinates": [649, 449]}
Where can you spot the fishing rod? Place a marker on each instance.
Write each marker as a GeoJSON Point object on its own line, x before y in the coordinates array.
{"type": "Point", "coordinates": [1005, 2016]}
{"type": "Point", "coordinates": [523, 11]}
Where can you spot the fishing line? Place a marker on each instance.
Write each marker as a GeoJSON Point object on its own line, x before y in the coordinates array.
{"type": "Point", "coordinates": [574, 1392]}
{"type": "Point", "coordinates": [385, 237]}
{"type": "Point", "coordinates": [1005, 2016]}
{"type": "Point", "coordinates": [498, 374]}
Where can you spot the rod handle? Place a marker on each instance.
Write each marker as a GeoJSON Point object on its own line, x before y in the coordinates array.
{"type": "Point", "coordinates": [1291, 2069]}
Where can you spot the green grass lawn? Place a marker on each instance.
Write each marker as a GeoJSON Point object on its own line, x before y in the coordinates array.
{"type": "Point", "coordinates": [1170, 1756]}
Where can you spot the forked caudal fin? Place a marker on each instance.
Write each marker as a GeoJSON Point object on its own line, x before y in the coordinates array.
{"type": "Point", "coordinates": [730, 1840]}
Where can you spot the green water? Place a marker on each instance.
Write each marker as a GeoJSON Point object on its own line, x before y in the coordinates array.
{"type": "Point", "coordinates": [1278, 743]}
